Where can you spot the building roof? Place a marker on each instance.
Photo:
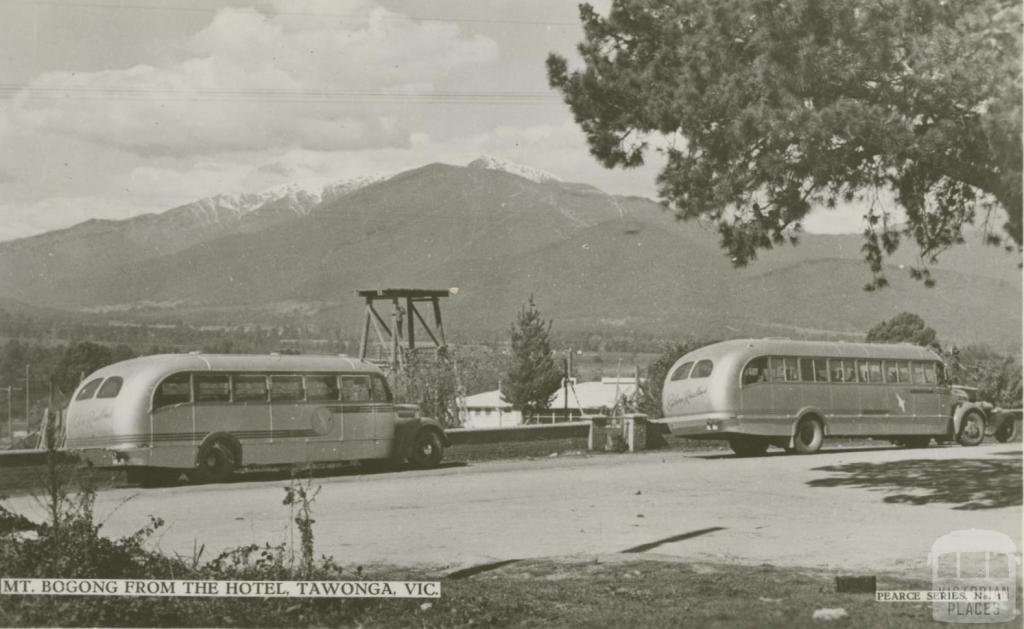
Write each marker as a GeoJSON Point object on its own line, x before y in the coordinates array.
{"type": "Point", "coordinates": [586, 395]}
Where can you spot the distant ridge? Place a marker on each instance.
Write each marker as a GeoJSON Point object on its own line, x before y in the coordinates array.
{"type": "Point", "coordinates": [500, 232]}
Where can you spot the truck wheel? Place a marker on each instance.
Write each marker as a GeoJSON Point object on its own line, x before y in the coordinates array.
{"type": "Point", "coordinates": [426, 449]}
{"type": "Point", "coordinates": [808, 437]}
{"type": "Point", "coordinates": [217, 460]}
{"type": "Point", "coordinates": [1007, 431]}
{"type": "Point", "coordinates": [747, 446]}
{"type": "Point", "coordinates": [972, 429]}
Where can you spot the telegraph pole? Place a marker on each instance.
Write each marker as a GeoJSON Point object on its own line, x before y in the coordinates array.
{"type": "Point", "coordinates": [28, 389]}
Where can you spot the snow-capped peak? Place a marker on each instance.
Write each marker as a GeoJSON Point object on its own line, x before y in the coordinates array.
{"type": "Point", "coordinates": [489, 162]}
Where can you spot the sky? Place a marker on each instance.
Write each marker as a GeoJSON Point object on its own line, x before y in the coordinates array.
{"type": "Point", "coordinates": [113, 108]}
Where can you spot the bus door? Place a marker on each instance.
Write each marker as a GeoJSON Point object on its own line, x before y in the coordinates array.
{"type": "Point", "coordinates": [289, 423]}
{"type": "Point", "coordinates": [357, 422]}
{"type": "Point", "coordinates": [815, 390]}
{"type": "Point", "coordinates": [846, 417]}
{"type": "Point", "coordinates": [172, 419]}
{"type": "Point", "coordinates": [931, 412]}
{"type": "Point", "coordinates": [787, 393]}
{"type": "Point", "coordinates": [383, 416]}
{"type": "Point", "coordinates": [214, 412]}
{"type": "Point", "coordinates": [249, 403]}
{"type": "Point", "coordinates": [325, 418]}
{"type": "Point", "coordinates": [756, 400]}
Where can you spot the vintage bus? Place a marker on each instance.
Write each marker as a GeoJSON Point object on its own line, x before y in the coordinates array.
{"type": "Point", "coordinates": [209, 414]}
{"type": "Point", "coordinates": [793, 394]}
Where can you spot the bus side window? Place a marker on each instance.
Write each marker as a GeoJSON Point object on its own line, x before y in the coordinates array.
{"type": "Point", "coordinates": [821, 369]}
{"type": "Point", "coordinates": [929, 374]}
{"type": "Point", "coordinates": [904, 368]}
{"type": "Point", "coordinates": [176, 389]}
{"type": "Point", "coordinates": [849, 370]}
{"type": "Point", "coordinates": [874, 371]}
{"type": "Point", "coordinates": [807, 369]}
{"type": "Point", "coordinates": [89, 389]}
{"type": "Point", "coordinates": [778, 369]}
{"type": "Point", "coordinates": [379, 389]}
{"type": "Point", "coordinates": [208, 387]}
{"type": "Point", "coordinates": [250, 388]}
{"type": "Point", "coordinates": [322, 388]}
{"type": "Point", "coordinates": [355, 389]}
{"type": "Point", "coordinates": [836, 366]}
{"type": "Point", "coordinates": [940, 370]}
{"type": "Point", "coordinates": [792, 370]}
{"type": "Point", "coordinates": [892, 374]}
{"type": "Point", "coordinates": [862, 371]}
{"type": "Point", "coordinates": [111, 387]}
{"type": "Point", "coordinates": [702, 369]}
{"type": "Point", "coordinates": [682, 373]}
{"type": "Point", "coordinates": [756, 371]}
{"type": "Point", "coordinates": [917, 370]}
{"type": "Point", "coordinates": [286, 389]}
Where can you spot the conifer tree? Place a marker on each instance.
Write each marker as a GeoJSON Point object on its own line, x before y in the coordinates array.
{"type": "Point", "coordinates": [531, 375]}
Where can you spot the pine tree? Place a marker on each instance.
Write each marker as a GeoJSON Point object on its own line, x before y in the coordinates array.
{"type": "Point", "coordinates": [531, 375]}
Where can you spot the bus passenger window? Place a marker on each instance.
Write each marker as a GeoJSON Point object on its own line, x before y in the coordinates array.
{"type": "Point", "coordinates": [792, 371]}
{"type": "Point", "coordinates": [821, 369]}
{"type": "Point", "coordinates": [355, 389]}
{"type": "Point", "coordinates": [702, 369]}
{"type": "Point", "coordinates": [892, 374]}
{"type": "Point", "coordinates": [111, 387]}
{"type": "Point", "coordinates": [849, 370]}
{"type": "Point", "coordinates": [778, 369]}
{"type": "Point", "coordinates": [807, 369]}
{"type": "Point", "coordinates": [940, 371]}
{"type": "Point", "coordinates": [862, 371]}
{"type": "Point", "coordinates": [874, 371]}
{"type": "Point", "coordinates": [211, 387]}
{"type": "Point", "coordinates": [929, 374]}
{"type": "Point", "coordinates": [89, 389]}
{"type": "Point", "coordinates": [379, 389]}
{"type": "Point", "coordinates": [683, 372]}
{"type": "Point", "coordinates": [286, 389]}
{"type": "Point", "coordinates": [904, 369]}
{"type": "Point", "coordinates": [836, 366]}
{"type": "Point", "coordinates": [322, 388]}
{"type": "Point", "coordinates": [173, 390]}
{"type": "Point", "coordinates": [250, 389]}
{"type": "Point", "coordinates": [756, 371]}
{"type": "Point", "coordinates": [918, 373]}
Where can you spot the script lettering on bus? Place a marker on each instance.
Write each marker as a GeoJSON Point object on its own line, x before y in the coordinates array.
{"type": "Point", "coordinates": [686, 398]}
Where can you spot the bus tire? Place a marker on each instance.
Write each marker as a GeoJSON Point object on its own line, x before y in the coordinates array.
{"type": "Point", "coordinates": [1007, 431]}
{"type": "Point", "coordinates": [808, 436]}
{"type": "Point", "coordinates": [217, 460]}
{"type": "Point", "coordinates": [972, 429]}
{"type": "Point", "coordinates": [748, 446]}
{"type": "Point", "coordinates": [426, 449]}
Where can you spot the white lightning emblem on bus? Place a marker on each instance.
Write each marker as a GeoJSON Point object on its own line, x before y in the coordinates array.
{"type": "Point", "coordinates": [902, 403]}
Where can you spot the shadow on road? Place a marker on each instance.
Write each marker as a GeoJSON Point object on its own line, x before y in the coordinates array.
{"type": "Point", "coordinates": [675, 538]}
{"type": "Point", "coordinates": [776, 453]}
{"type": "Point", "coordinates": [969, 484]}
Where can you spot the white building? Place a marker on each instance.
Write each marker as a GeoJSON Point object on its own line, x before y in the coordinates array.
{"type": "Point", "coordinates": [491, 410]}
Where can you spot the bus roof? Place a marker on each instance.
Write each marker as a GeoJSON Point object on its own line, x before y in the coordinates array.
{"type": "Point", "coordinates": [838, 349]}
{"type": "Point", "coordinates": [160, 365]}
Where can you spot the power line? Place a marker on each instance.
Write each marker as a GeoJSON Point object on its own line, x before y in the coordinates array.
{"type": "Point", "coordinates": [394, 17]}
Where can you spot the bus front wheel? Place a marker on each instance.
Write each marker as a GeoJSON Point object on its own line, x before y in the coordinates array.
{"type": "Point", "coordinates": [747, 446]}
{"type": "Point", "coordinates": [972, 429]}
{"type": "Point", "coordinates": [217, 460]}
{"type": "Point", "coordinates": [808, 437]}
{"type": "Point", "coordinates": [426, 449]}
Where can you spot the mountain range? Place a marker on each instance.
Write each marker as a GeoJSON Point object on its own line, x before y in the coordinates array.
{"type": "Point", "coordinates": [500, 232]}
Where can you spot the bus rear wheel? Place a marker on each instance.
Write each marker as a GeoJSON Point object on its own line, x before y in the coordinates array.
{"type": "Point", "coordinates": [426, 449]}
{"type": "Point", "coordinates": [808, 437]}
{"type": "Point", "coordinates": [972, 429]}
{"type": "Point", "coordinates": [216, 462]}
{"type": "Point", "coordinates": [748, 446]}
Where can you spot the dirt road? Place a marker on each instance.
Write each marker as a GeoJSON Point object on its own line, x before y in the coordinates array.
{"type": "Point", "coordinates": [866, 510]}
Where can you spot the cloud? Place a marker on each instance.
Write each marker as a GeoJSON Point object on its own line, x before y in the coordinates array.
{"type": "Point", "coordinates": [251, 81]}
